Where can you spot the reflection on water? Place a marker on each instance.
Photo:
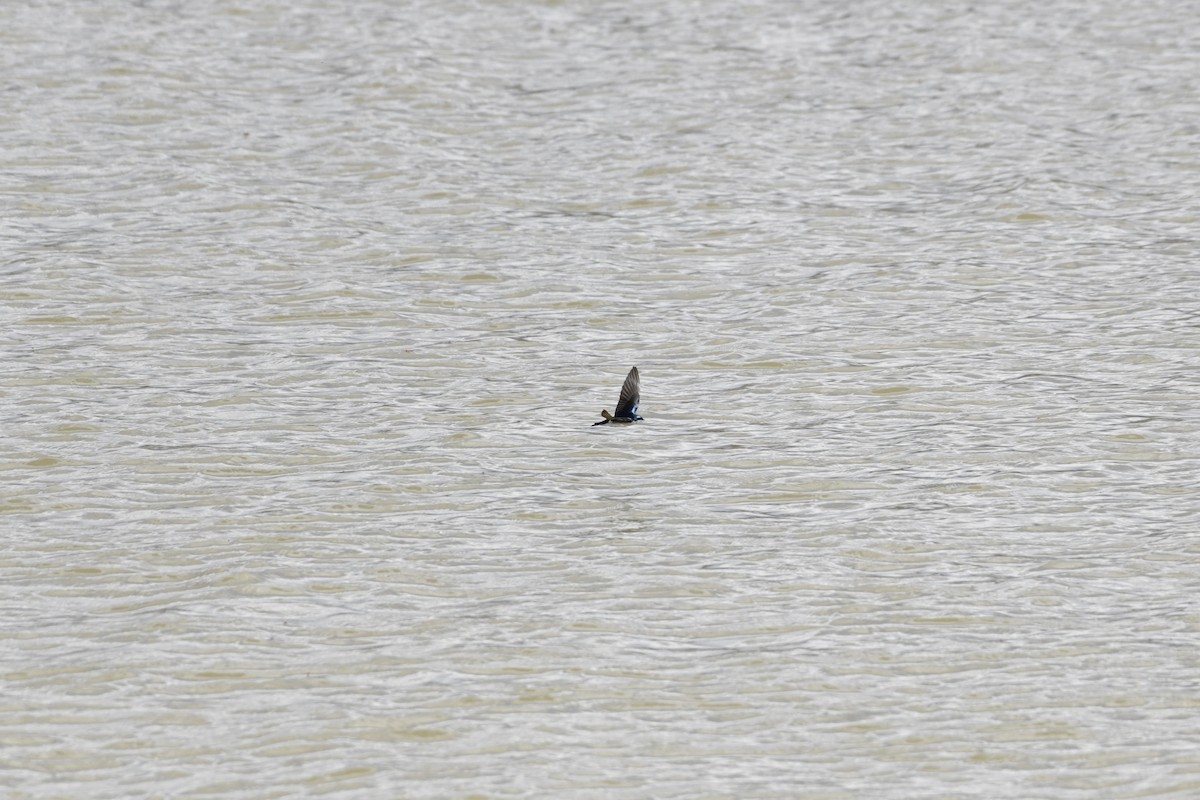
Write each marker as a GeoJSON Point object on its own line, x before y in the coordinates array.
{"type": "Point", "coordinates": [308, 311]}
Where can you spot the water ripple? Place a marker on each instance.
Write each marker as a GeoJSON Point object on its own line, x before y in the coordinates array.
{"type": "Point", "coordinates": [308, 309]}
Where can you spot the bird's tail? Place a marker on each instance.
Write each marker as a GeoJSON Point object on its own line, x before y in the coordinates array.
{"type": "Point", "coordinates": [606, 415]}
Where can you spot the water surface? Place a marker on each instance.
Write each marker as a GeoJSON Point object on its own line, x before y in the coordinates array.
{"type": "Point", "coordinates": [307, 310]}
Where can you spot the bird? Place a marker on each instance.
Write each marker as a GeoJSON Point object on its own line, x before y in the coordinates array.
{"type": "Point", "coordinates": [627, 406]}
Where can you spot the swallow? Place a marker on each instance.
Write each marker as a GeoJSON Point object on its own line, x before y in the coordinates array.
{"type": "Point", "coordinates": [627, 406]}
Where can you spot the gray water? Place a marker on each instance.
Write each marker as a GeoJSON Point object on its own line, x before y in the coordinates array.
{"type": "Point", "coordinates": [308, 307]}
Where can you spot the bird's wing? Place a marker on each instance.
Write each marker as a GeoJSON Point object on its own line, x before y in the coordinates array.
{"type": "Point", "coordinates": [631, 396]}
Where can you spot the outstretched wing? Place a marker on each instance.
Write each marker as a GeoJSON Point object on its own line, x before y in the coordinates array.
{"type": "Point", "coordinates": [631, 396]}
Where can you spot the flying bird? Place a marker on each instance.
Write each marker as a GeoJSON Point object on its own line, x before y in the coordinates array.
{"type": "Point", "coordinates": [627, 406]}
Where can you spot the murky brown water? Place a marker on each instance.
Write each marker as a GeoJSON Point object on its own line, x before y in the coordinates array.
{"type": "Point", "coordinates": [307, 310]}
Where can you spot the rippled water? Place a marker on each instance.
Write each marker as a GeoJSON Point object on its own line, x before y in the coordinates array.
{"type": "Point", "coordinates": [308, 309]}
